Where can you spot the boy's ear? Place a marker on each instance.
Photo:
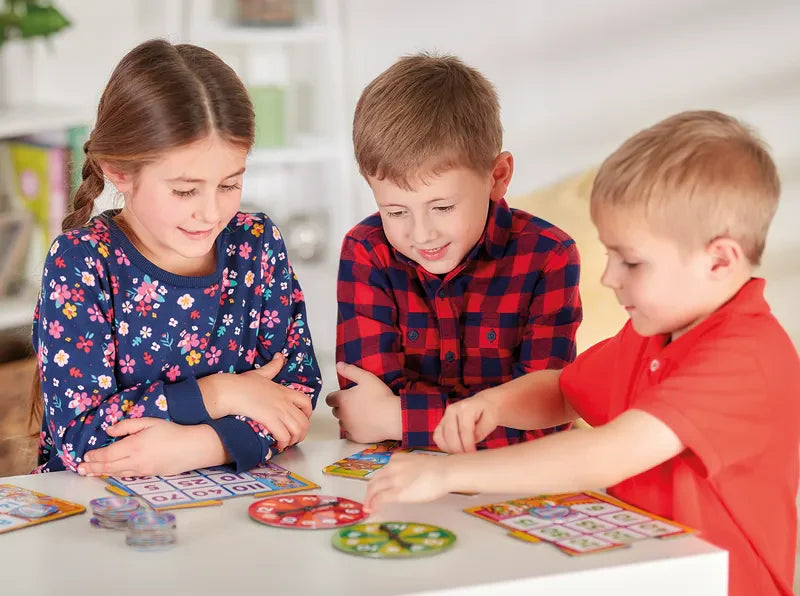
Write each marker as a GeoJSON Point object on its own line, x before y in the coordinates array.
{"type": "Point", "coordinates": [122, 181]}
{"type": "Point", "coordinates": [502, 169]}
{"type": "Point", "coordinates": [726, 255]}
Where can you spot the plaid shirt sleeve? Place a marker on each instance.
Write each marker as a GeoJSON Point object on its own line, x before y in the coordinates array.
{"type": "Point", "coordinates": [554, 316]}
{"type": "Point", "coordinates": [368, 337]}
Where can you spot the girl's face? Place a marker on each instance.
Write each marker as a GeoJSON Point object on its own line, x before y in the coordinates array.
{"type": "Point", "coordinates": [179, 204]}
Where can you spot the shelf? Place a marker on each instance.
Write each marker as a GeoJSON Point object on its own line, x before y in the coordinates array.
{"type": "Point", "coordinates": [294, 154]}
{"type": "Point", "coordinates": [17, 310]}
{"type": "Point", "coordinates": [34, 119]}
{"type": "Point", "coordinates": [240, 34]}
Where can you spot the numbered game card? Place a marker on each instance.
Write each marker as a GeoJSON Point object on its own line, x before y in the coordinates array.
{"type": "Point", "coordinates": [578, 523]}
{"type": "Point", "coordinates": [208, 486]}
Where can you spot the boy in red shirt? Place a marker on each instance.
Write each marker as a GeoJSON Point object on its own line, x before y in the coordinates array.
{"type": "Point", "coordinates": [446, 290]}
{"type": "Point", "coordinates": [694, 403]}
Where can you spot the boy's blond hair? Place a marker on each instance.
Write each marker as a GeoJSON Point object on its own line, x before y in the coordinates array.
{"type": "Point", "coordinates": [424, 115]}
{"type": "Point", "coordinates": [698, 176]}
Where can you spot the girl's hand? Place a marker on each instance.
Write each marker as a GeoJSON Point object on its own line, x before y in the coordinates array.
{"type": "Point", "coordinates": [282, 410]}
{"type": "Point", "coordinates": [153, 447]}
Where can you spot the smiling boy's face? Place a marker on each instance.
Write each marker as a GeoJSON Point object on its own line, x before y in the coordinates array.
{"type": "Point", "coordinates": [438, 222]}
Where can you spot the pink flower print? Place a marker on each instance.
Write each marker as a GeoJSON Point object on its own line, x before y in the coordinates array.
{"type": "Point", "coordinates": [136, 411]}
{"type": "Point", "coordinates": [297, 295]}
{"type": "Point", "coordinates": [188, 342]}
{"type": "Point", "coordinates": [122, 259]}
{"type": "Point", "coordinates": [127, 364]}
{"type": "Point", "coordinates": [173, 373]}
{"type": "Point", "coordinates": [213, 354]}
{"type": "Point", "coordinates": [251, 356]}
{"type": "Point", "coordinates": [81, 401]}
{"type": "Point", "coordinates": [270, 319]}
{"type": "Point", "coordinates": [77, 294]}
{"type": "Point", "coordinates": [245, 249]}
{"type": "Point", "coordinates": [293, 340]}
{"type": "Point", "coordinates": [113, 413]}
{"type": "Point", "coordinates": [143, 308]}
{"type": "Point", "coordinates": [147, 291]}
{"type": "Point", "coordinates": [110, 353]}
{"type": "Point", "coordinates": [68, 459]}
{"type": "Point", "coordinates": [95, 315]}
{"type": "Point", "coordinates": [60, 294]}
{"type": "Point", "coordinates": [55, 329]}
{"type": "Point", "coordinates": [114, 285]}
{"type": "Point", "coordinates": [244, 219]}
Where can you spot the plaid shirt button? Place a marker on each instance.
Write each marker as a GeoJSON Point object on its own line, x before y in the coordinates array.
{"type": "Point", "coordinates": [449, 356]}
{"type": "Point", "coordinates": [491, 336]}
{"type": "Point", "coordinates": [413, 335]}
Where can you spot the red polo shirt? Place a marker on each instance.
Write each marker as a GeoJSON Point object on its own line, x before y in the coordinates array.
{"type": "Point", "coordinates": [730, 389]}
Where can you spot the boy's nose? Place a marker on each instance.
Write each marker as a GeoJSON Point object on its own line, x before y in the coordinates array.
{"type": "Point", "coordinates": [422, 234]}
{"type": "Point", "coordinates": [609, 279]}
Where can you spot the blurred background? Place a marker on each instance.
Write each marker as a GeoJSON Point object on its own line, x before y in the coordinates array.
{"type": "Point", "coordinates": [575, 79]}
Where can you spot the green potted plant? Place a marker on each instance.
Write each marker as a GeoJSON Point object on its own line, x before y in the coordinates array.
{"type": "Point", "coordinates": [25, 19]}
{"type": "Point", "coordinates": [22, 20]}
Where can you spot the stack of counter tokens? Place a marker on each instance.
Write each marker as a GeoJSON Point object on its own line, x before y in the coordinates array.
{"type": "Point", "coordinates": [150, 530]}
{"type": "Point", "coordinates": [113, 512]}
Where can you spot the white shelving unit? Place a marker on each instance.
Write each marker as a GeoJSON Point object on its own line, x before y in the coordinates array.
{"type": "Point", "coordinates": [16, 311]}
{"type": "Point", "coordinates": [35, 119]}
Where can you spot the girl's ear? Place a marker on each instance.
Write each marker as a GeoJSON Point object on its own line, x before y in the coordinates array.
{"type": "Point", "coordinates": [122, 181]}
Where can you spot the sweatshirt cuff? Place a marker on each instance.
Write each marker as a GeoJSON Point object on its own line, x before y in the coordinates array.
{"type": "Point", "coordinates": [241, 442]}
{"type": "Point", "coordinates": [185, 402]}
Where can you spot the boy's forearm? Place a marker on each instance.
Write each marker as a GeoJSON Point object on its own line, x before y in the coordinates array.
{"type": "Point", "coordinates": [555, 464]}
{"type": "Point", "coordinates": [532, 401]}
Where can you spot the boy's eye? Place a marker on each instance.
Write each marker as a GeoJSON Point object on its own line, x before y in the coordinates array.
{"type": "Point", "coordinates": [229, 187]}
{"type": "Point", "coordinates": [444, 209]}
{"type": "Point", "coordinates": [184, 194]}
{"type": "Point", "coordinates": [395, 213]}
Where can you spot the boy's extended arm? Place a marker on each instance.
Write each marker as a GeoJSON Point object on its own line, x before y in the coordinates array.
{"type": "Point", "coordinates": [632, 443]}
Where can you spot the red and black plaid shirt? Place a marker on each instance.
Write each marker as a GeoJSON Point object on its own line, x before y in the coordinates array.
{"type": "Point", "coordinates": [510, 308]}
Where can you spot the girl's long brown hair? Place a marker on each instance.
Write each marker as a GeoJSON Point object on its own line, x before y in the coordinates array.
{"type": "Point", "coordinates": [160, 96]}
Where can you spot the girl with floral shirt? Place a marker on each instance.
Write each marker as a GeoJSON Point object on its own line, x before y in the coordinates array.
{"type": "Point", "coordinates": [141, 307]}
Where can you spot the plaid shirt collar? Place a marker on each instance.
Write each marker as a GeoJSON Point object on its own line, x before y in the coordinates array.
{"type": "Point", "coordinates": [493, 241]}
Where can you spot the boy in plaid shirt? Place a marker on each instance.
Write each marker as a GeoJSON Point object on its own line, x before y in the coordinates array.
{"type": "Point", "coordinates": [446, 291]}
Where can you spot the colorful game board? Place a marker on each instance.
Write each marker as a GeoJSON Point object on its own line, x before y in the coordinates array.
{"type": "Point", "coordinates": [307, 512]}
{"type": "Point", "coordinates": [365, 463]}
{"type": "Point", "coordinates": [393, 540]}
{"type": "Point", "coordinates": [208, 486]}
{"type": "Point", "coordinates": [22, 508]}
{"type": "Point", "coordinates": [578, 523]}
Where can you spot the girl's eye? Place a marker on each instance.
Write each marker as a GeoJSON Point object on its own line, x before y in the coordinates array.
{"type": "Point", "coordinates": [229, 187]}
{"type": "Point", "coordinates": [445, 209]}
{"type": "Point", "coordinates": [184, 194]}
{"type": "Point", "coordinates": [630, 265]}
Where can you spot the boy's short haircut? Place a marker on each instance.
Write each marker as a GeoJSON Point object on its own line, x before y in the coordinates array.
{"type": "Point", "coordinates": [423, 115]}
{"type": "Point", "coordinates": [698, 176]}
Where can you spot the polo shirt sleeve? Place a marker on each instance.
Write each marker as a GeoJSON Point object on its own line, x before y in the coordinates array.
{"type": "Point", "coordinates": [586, 383]}
{"type": "Point", "coordinates": [717, 402]}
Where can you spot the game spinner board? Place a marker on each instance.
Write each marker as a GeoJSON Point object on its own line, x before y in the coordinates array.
{"type": "Point", "coordinates": [390, 540]}
{"type": "Point", "coordinates": [365, 463]}
{"type": "Point", "coordinates": [578, 523]}
{"type": "Point", "coordinates": [208, 486]}
{"type": "Point", "coordinates": [23, 508]}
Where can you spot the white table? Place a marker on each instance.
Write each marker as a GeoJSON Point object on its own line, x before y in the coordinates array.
{"type": "Point", "coordinates": [221, 551]}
